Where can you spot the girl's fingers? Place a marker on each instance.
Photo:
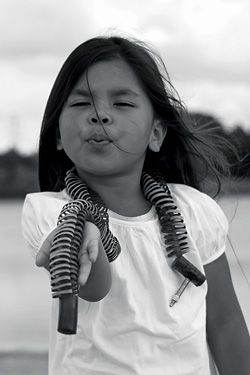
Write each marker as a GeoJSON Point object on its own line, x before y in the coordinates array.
{"type": "Point", "coordinates": [91, 238]}
{"type": "Point", "coordinates": [85, 267]}
{"type": "Point", "coordinates": [93, 248]}
{"type": "Point", "coordinates": [87, 256]}
{"type": "Point", "coordinates": [91, 232]}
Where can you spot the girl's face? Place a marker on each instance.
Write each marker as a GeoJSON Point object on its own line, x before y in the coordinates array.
{"type": "Point", "coordinates": [128, 125]}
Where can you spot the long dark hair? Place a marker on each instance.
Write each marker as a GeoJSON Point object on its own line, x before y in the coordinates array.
{"type": "Point", "coordinates": [189, 152]}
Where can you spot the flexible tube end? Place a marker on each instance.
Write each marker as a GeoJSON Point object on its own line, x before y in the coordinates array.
{"type": "Point", "coordinates": [68, 312]}
{"type": "Point", "coordinates": [188, 270]}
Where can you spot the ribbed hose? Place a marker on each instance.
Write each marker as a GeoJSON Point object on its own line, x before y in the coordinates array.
{"type": "Point", "coordinates": [63, 262]}
{"type": "Point", "coordinates": [172, 226]}
{"type": "Point", "coordinates": [87, 205]}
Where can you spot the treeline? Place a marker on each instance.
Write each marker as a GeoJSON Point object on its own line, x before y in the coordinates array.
{"type": "Point", "coordinates": [234, 143]}
{"type": "Point", "coordinates": [18, 173]}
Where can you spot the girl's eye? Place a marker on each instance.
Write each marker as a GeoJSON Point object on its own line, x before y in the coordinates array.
{"type": "Point", "coordinates": [85, 104]}
{"type": "Point", "coordinates": [80, 104]}
{"type": "Point", "coordinates": [123, 104]}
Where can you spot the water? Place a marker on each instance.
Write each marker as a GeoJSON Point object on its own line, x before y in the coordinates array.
{"type": "Point", "coordinates": [25, 289]}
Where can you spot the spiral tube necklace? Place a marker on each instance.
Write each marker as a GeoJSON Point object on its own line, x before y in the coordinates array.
{"type": "Point", "coordinates": [87, 205]}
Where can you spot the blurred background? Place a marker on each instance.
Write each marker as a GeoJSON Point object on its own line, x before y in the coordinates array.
{"type": "Point", "coordinates": [206, 48]}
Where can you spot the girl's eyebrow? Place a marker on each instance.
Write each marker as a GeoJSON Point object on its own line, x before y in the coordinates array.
{"type": "Point", "coordinates": [113, 92]}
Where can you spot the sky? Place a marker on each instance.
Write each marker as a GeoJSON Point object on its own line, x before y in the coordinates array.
{"type": "Point", "coordinates": [205, 45]}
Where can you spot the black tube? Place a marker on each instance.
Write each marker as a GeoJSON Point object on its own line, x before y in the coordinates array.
{"type": "Point", "coordinates": [68, 313]}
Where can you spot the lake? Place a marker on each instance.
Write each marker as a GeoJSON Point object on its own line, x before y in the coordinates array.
{"type": "Point", "coordinates": [25, 289]}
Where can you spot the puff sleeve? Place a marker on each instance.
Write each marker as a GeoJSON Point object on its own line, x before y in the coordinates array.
{"type": "Point", "coordinates": [205, 222]}
{"type": "Point", "coordinates": [39, 217]}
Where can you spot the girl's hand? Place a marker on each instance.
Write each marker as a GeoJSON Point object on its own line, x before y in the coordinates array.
{"type": "Point", "coordinates": [89, 251]}
{"type": "Point", "coordinates": [87, 255]}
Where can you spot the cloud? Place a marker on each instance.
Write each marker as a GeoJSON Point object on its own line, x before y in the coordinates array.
{"type": "Point", "coordinates": [43, 26]}
{"type": "Point", "coordinates": [208, 38]}
{"type": "Point", "coordinates": [205, 39]}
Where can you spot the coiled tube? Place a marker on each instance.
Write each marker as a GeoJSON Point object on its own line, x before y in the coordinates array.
{"type": "Point", "coordinates": [63, 261]}
{"type": "Point", "coordinates": [172, 225]}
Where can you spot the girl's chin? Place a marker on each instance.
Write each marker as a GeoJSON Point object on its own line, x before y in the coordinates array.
{"type": "Point", "coordinates": [98, 169]}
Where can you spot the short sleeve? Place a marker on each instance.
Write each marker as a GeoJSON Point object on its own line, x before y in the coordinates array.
{"type": "Point", "coordinates": [39, 217]}
{"type": "Point", "coordinates": [205, 221]}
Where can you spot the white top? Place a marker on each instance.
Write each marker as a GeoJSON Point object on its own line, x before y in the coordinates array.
{"type": "Point", "coordinates": [133, 330]}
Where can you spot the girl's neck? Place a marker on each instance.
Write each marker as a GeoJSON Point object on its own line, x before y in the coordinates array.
{"type": "Point", "coordinates": [121, 194]}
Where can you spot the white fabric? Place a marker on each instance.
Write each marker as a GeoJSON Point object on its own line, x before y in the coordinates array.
{"type": "Point", "coordinates": [133, 330]}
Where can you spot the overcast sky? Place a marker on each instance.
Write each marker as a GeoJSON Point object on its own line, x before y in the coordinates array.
{"type": "Point", "coordinates": [205, 45]}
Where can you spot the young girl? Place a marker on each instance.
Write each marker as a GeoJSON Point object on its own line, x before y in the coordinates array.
{"type": "Point", "coordinates": [114, 135]}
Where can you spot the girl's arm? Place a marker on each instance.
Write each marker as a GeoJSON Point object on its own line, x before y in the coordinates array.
{"type": "Point", "coordinates": [94, 272]}
{"type": "Point", "coordinates": [227, 333]}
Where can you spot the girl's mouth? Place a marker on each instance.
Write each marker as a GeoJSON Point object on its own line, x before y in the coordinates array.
{"type": "Point", "coordinates": [99, 143]}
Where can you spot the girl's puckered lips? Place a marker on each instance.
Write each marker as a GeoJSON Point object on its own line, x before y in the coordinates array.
{"type": "Point", "coordinates": [99, 143]}
{"type": "Point", "coordinates": [99, 138]}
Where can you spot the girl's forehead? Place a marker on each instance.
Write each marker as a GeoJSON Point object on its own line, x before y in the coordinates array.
{"type": "Point", "coordinates": [116, 74]}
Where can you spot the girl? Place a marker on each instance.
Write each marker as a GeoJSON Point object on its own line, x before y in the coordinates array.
{"type": "Point", "coordinates": [114, 132]}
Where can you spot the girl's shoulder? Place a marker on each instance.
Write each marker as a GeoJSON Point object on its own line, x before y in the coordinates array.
{"type": "Point", "coordinates": [40, 214]}
{"type": "Point", "coordinates": [46, 199]}
{"type": "Point", "coordinates": [192, 198]}
{"type": "Point", "coordinates": [186, 190]}
{"type": "Point", "coordinates": [205, 221]}
{"type": "Point", "coordinates": [48, 195]}
{"type": "Point", "coordinates": [44, 204]}
{"type": "Point", "coordinates": [198, 207]}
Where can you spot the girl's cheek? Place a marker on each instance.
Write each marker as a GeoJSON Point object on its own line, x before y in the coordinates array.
{"type": "Point", "coordinates": [66, 122]}
{"type": "Point", "coordinates": [78, 118]}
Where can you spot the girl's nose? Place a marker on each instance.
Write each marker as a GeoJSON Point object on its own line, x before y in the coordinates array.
{"type": "Point", "coordinates": [104, 118]}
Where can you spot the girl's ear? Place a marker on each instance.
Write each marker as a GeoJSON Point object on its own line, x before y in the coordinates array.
{"type": "Point", "coordinates": [157, 136]}
{"type": "Point", "coordinates": [59, 145]}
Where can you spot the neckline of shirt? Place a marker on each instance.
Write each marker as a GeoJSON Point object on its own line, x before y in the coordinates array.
{"type": "Point", "coordinates": [148, 216]}
{"type": "Point", "coordinates": [151, 215]}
